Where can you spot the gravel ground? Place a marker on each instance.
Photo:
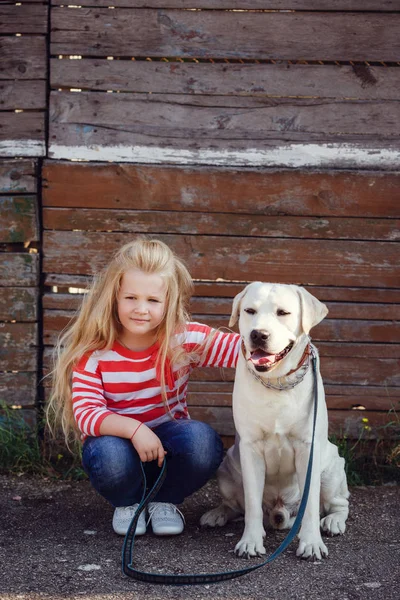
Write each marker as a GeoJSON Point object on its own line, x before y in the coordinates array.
{"type": "Point", "coordinates": [57, 543]}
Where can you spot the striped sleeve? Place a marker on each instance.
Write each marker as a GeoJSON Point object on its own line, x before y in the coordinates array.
{"type": "Point", "coordinates": [223, 350]}
{"type": "Point", "coordinates": [88, 402]}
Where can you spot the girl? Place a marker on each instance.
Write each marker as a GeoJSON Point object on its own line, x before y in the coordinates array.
{"type": "Point", "coordinates": [120, 385]}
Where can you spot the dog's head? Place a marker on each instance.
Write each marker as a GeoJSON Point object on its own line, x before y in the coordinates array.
{"type": "Point", "coordinates": [272, 317]}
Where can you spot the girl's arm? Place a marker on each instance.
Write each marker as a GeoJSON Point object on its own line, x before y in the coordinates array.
{"type": "Point", "coordinates": [222, 349]}
{"type": "Point", "coordinates": [94, 419]}
{"type": "Point", "coordinates": [146, 443]}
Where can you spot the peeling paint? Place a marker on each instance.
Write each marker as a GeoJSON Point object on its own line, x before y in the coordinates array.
{"type": "Point", "coordinates": [14, 148]}
{"type": "Point", "coordinates": [289, 155]}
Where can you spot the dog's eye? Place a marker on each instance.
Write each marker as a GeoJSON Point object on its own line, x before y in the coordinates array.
{"type": "Point", "coordinates": [282, 313]}
{"type": "Point", "coordinates": [250, 311]}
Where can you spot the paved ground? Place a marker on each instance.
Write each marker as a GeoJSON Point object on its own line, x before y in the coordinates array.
{"type": "Point", "coordinates": [56, 543]}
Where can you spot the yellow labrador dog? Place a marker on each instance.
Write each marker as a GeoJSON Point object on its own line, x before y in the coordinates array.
{"type": "Point", "coordinates": [264, 472]}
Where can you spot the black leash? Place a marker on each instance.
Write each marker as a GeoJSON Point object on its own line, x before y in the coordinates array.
{"type": "Point", "coordinates": [197, 578]}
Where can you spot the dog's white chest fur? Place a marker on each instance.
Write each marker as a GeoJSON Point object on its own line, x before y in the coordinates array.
{"type": "Point", "coordinates": [260, 413]}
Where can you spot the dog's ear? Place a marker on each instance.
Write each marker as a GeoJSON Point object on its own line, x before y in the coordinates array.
{"type": "Point", "coordinates": [236, 306]}
{"type": "Point", "coordinates": [312, 310]}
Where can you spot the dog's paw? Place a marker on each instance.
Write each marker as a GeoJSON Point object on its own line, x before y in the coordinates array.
{"type": "Point", "coordinates": [250, 546]}
{"type": "Point", "coordinates": [312, 549]}
{"type": "Point", "coordinates": [217, 517]}
{"type": "Point", "coordinates": [334, 524]}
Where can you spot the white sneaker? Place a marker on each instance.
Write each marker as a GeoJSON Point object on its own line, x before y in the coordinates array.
{"type": "Point", "coordinates": [123, 516]}
{"type": "Point", "coordinates": [166, 518]}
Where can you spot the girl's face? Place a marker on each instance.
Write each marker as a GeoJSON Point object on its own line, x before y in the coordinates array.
{"type": "Point", "coordinates": [141, 305]}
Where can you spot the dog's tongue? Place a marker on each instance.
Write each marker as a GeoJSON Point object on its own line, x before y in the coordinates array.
{"type": "Point", "coordinates": [258, 357]}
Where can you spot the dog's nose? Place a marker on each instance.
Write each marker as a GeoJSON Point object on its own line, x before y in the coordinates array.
{"type": "Point", "coordinates": [258, 335]}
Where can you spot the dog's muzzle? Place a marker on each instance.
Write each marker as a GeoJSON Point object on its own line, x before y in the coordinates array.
{"type": "Point", "coordinates": [263, 360]}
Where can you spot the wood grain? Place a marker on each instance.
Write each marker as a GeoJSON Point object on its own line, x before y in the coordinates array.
{"type": "Point", "coordinates": [341, 422]}
{"type": "Point", "coordinates": [24, 18]}
{"type": "Point", "coordinates": [210, 34]}
{"type": "Point", "coordinates": [19, 269]}
{"type": "Point", "coordinates": [305, 262]}
{"type": "Point", "coordinates": [223, 306]}
{"type": "Point", "coordinates": [19, 219]}
{"type": "Point", "coordinates": [332, 330]}
{"type": "Point", "coordinates": [22, 94]}
{"type": "Point", "coordinates": [209, 190]}
{"type": "Point", "coordinates": [207, 224]}
{"type": "Point", "coordinates": [225, 122]}
{"type": "Point", "coordinates": [18, 388]}
{"type": "Point", "coordinates": [18, 347]}
{"type": "Point", "coordinates": [19, 304]}
{"type": "Point", "coordinates": [25, 126]}
{"type": "Point", "coordinates": [326, 5]}
{"type": "Point", "coordinates": [22, 57]}
{"type": "Point", "coordinates": [278, 80]}
{"type": "Point", "coordinates": [17, 176]}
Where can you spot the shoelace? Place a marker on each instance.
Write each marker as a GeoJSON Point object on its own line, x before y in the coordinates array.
{"type": "Point", "coordinates": [163, 509]}
{"type": "Point", "coordinates": [129, 510]}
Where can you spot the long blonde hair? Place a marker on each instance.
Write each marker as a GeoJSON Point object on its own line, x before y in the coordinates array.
{"type": "Point", "coordinates": [97, 326]}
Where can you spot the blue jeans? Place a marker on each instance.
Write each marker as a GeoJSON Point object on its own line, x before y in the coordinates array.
{"type": "Point", "coordinates": [194, 452]}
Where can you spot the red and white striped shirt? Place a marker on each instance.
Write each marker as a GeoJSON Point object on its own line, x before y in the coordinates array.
{"type": "Point", "coordinates": [124, 382]}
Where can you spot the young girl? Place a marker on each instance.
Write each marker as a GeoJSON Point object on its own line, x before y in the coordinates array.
{"type": "Point", "coordinates": [120, 384]}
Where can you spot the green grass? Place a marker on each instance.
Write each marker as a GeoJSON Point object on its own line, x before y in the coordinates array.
{"type": "Point", "coordinates": [23, 451]}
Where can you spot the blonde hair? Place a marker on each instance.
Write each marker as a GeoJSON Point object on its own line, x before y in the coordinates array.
{"type": "Point", "coordinates": [97, 326]}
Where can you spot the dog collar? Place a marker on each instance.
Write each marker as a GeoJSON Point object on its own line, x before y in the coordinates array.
{"type": "Point", "coordinates": [291, 379]}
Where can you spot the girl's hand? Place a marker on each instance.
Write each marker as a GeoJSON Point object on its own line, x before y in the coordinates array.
{"type": "Point", "coordinates": [148, 445]}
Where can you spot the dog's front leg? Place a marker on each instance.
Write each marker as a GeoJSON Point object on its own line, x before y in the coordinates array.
{"type": "Point", "coordinates": [311, 544]}
{"type": "Point", "coordinates": [253, 473]}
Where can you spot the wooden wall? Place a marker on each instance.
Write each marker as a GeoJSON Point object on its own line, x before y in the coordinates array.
{"type": "Point", "coordinates": [296, 83]}
{"type": "Point", "coordinates": [333, 232]}
{"type": "Point", "coordinates": [260, 139]}
{"type": "Point", "coordinates": [23, 78]}
{"type": "Point", "coordinates": [19, 286]}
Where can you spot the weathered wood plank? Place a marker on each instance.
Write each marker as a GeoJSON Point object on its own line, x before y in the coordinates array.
{"type": "Point", "coordinates": [332, 330]}
{"type": "Point", "coordinates": [22, 94]}
{"type": "Point", "coordinates": [223, 306]}
{"type": "Point", "coordinates": [19, 219]}
{"type": "Point", "coordinates": [337, 310]}
{"type": "Point", "coordinates": [18, 388]}
{"type": "Point", "coordinates": [359, 350]}
{"type": "Point", "coordinates": [23, 18]}
{"type": "Point", "coordinates": [220, 289]}
{"type": "Point", "coordinates": [210, 190]}
{"type": "Point", "coordinates": [341, 422]}
{"type": "Point", "coordinates": [325, 294]}
{"type": "Point", "coordinates": [19, 269]}
{"type": "Point", "coordinates": [206, 224]}
{"type": "Point", "coordinates": [17, 176]}
{"type": "Point", "coordinates": [352, 397]}
{"type": "Point", "coordinates": [306, 262]}
{"type": "Point", "coordinates": [326, 5]}
{"type": "Point", "coordinates": [177, 121]}
{"type": "Point", "coordinates": [326, 81]}
{"type": "Point", "coordinates": [269, 153]}
{"type": "Point", "coordinates": [19, 304]}
{"type": "Point", "coordinates": [22, 57]}
{"type": "Point", "coordinates": [18, 346]}
{"type": "Point", "coordinates": [22, 134]}
{"type": "Point", "coordinates": [207, 34]}
{"type": "Point", "coordinates": [382, 403]}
